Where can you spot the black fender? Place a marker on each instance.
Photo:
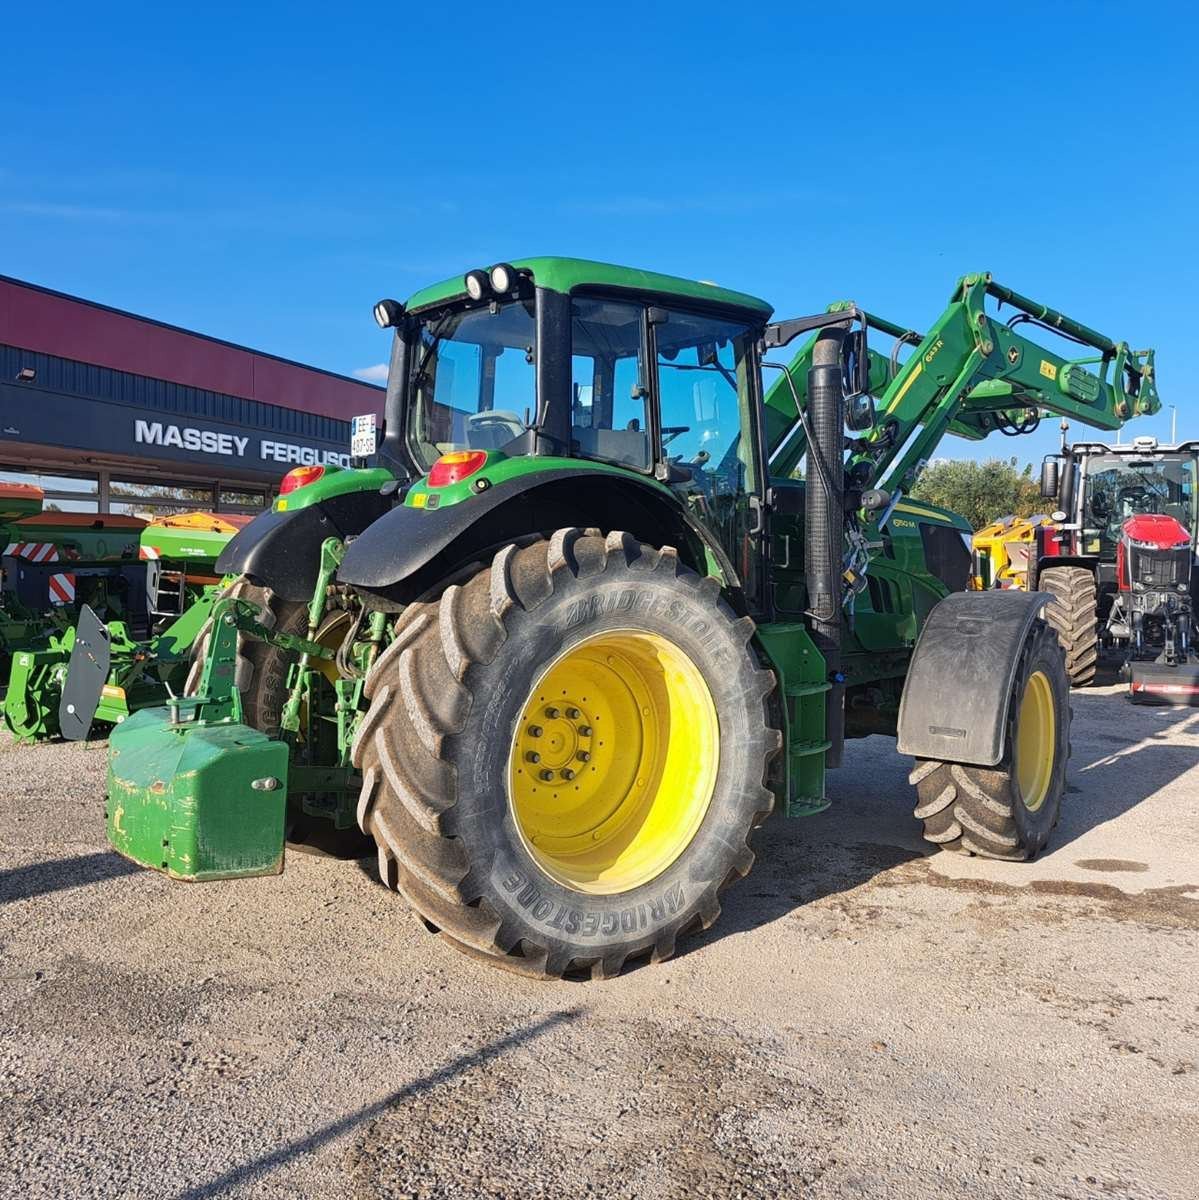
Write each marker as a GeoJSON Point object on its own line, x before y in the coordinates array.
{"type": "Point", "coordinates": [955, 698]}
{"type": "Point", "coordinates": [409, 550]}
{"type": "Point", "coordinates": [282, 550]}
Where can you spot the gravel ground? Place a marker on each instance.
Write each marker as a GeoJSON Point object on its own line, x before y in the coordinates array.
{"type": "Point", "coordinates": [865, 1020]}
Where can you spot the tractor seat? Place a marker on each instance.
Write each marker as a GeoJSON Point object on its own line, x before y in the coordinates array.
{"type": "Point", "coordinates": [628, 447]}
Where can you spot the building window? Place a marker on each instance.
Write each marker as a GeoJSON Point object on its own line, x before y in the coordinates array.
{"type": "Point", "coordinates": [152, 500]}
{"type": "Point", "coordinates": [238, 501]}
{"type": "Point", "coordinates": [63, 493]}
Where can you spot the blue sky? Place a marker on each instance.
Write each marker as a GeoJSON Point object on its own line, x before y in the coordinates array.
{"type": "Point", "coordinates": [264, 174]}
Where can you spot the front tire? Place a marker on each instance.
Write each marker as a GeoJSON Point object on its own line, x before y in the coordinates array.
{"type": "Point", "coordinates": [564, 756]}
{"type": "Point", "coordinates": [1007, 811]}
{"type": "Point", "coordinates": [1073, 613]}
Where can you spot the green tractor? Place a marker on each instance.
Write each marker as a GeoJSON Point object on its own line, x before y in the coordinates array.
{"type": "Point", "coordinates": [560, 654]}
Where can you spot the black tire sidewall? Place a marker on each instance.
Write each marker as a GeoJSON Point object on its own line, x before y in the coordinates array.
{"type": "Point", "coordinates": [1044, 655]}
{"type": "Point", "coordinates": [583, 924]}
{"type": "Point", "coordinates": [267, 693]}
{"type": "Point", "coordinates": [262, 667]}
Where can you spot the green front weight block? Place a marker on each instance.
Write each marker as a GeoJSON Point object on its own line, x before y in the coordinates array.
{"type": "Point", "coordinates": [196, 801]}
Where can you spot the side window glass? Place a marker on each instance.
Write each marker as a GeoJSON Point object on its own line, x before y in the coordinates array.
{"type": "Point", "coordinates": [477, 383]}
{"type": "Point", "coordinates": [609, 394]}
{"type": "Point", "coordinates": [703, 398]}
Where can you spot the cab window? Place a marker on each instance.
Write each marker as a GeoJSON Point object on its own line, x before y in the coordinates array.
{"type": "Point", "coordinates": [703, 399]}
{"type": "Point", "coordinates": [609, 392]}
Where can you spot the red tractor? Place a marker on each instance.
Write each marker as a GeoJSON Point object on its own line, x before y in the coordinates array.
{"type": "Point", "coordinates": [1154, 562]}
{"type": "Point", "coordinates": [1120, 562]}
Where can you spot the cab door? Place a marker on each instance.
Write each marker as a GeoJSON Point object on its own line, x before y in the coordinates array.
{"type": "Point", "coordinates": [705, 392]}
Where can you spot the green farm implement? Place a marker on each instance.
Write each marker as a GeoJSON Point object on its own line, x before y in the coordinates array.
{"type": "Point", "coordinates": [54, 562]}
{"type": "Point", "coordinates": [570, 644]}
{"type": "Point", "coordinates": [70, 678]}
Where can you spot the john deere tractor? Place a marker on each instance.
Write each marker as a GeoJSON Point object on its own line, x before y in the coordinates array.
{"type": "Point", "coordinates": [619, 584]}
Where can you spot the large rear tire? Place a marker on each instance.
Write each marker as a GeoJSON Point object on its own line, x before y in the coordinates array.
{"type": "Point", "coordinates": [1007, 811]}
{"type": "Point", "coordinates": [565, 754]}
{"type": "Point", "coordinates": [1073, 613]}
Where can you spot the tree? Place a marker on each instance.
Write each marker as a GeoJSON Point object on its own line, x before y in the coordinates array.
{"type": "Point", "coordinates": [981, 492]}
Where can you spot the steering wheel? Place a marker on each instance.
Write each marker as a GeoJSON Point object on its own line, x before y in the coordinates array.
{"type": "Point", "coordinates": [670, 432]}
{"type": "Point", "coordinates": [1139, 499]}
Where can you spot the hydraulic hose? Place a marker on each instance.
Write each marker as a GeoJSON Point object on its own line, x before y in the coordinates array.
{"type": "Point", "coordinates": [824, 519]}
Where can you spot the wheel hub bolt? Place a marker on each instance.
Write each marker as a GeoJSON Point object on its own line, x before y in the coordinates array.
{"type": "Point", "coordinates": [584, 731]}
{"type": "Point", "coordinates": [534, 731]}
{"type": "Point", "coordinates": [546, 776]}
{"type": "Point", "coordinates": [552, 713]}
{"type": "Point", "coordinates": [573, 714]}
{"type": "Point", "coordinates": [532, 756]}
{"type": "Point", "coordinates": [584, 756]}
{"type": "Point", "coordinates": [567, 773]}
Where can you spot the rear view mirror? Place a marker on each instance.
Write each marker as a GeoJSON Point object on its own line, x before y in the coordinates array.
{"type": "Point", "coordinates": [859, 412]}
{"type": "Point", "coordinates": [1050, 477]}
{"type": "Point", "coordinates": [855, 367]}
{"type": "Point", "coordinates": [855, 362]}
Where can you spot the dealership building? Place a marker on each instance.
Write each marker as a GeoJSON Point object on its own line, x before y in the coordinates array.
{"type": "Point", "coordinates": [111, 412]}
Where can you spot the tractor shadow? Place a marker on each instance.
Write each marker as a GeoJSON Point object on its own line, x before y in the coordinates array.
{"type": "Point", "coordinates": [62, 874]}
{"type": "Point", "coordinates": [1122, 755]}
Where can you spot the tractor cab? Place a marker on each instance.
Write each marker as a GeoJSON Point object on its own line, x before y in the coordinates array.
{"type": "Point", "coordinates": [1099, 488]}
{"type": "Point", "coordinates": [546, 369]}
{"type": "Point", "coordinates": [1120, 483]}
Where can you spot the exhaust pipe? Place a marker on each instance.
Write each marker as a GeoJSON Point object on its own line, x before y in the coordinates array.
{"type": "Point", "coordinates": [824, 522]}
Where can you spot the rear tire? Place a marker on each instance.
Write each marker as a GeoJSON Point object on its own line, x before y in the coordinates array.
{"type": "Point", "coordinates": [1006, 811]}
{"type": "Point", "coordinates": [441, 748]}
{"type": "Point", "coordinates": [1073, 613]}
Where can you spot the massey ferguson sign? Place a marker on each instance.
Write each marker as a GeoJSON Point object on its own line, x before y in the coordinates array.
{"type": "Point", "coordinates": [218, 444]}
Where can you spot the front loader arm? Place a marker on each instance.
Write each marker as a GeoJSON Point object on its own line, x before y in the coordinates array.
{"type": "Point", "coordinates": [971, 375]}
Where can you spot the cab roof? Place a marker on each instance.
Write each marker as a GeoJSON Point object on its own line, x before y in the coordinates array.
{"type": "Point", "coordinates": [572, 274]}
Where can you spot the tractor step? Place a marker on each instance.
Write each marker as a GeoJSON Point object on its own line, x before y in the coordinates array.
{"type": "Point", "coordinates": [196, 801]}
{"type": "Point", "coordinates": [1158, 683]}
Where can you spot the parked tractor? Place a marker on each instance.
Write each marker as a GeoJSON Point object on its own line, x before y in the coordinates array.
{"type": "Point", "coordinates": [559, 654]}
{"type": "Point", "coordinates": [1118, 556]}
{"type": "Point", "coordinates": [95, 672]}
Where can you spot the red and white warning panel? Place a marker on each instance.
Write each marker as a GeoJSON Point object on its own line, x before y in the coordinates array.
{"type": "Point", "coordinates": [33, 551]}
{"type": "Point", "coordinates": [62, 589]}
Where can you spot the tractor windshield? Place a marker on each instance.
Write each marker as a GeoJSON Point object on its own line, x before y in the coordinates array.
{"type": "Point", "coordinates": [473, 382]}
{"type": "Point", "coordinates": [1121, 486]}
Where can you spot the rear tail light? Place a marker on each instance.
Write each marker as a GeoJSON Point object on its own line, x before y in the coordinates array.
{"type": "Point", "coordinates": [299, 477]}
{"type": "Point", "coordinates": [455, 466]}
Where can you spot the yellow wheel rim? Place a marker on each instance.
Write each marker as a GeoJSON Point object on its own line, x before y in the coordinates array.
{"type": "Point", "coordinates": [614, 761]}
{"type": "Point", "coordinates": [1036, 741]}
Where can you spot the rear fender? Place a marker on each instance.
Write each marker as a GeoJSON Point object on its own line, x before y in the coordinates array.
{"type": "Point", "coordinates": [408, 551]}
{"type": "Point", "coordinates": [955, 698]}
{"type": "Point", "coordinates": [282, 550]}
